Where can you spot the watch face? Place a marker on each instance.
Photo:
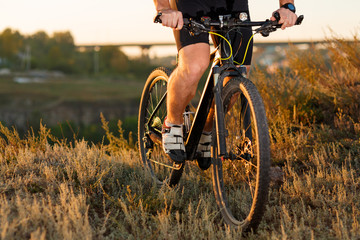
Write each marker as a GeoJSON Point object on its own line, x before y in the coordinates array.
{"type": "Point", "coordinates": [291, 7]}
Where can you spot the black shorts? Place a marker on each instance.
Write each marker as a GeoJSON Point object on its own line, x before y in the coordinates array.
{"type": "Point", "coordinates": [213, 8]}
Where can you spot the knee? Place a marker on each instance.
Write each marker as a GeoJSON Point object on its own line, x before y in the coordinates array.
{"type": "Point", "coordinates": [193, 71]}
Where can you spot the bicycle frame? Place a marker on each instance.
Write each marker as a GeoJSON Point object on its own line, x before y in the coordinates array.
{"type": "Point", "coordinates": [212, 91]}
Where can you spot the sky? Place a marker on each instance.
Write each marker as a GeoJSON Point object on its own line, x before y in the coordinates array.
{"type": "Point", "coordinates": [123, 21]}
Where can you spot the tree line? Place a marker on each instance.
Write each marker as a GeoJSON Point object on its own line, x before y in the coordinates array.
{"type": "Point", "coordinates": [58, 52]}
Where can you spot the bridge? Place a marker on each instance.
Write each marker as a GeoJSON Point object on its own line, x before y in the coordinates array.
{"type": "Point", "coordinates": [145, 47]}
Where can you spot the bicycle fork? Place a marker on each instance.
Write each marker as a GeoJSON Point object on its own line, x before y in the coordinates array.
{"type": "Point", "coordinates": [221, 131]}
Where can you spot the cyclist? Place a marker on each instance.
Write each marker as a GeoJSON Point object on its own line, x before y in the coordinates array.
{"type": "Point", "coordinates": [193, 60]}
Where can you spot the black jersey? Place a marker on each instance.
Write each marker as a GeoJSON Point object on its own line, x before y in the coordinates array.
{"type": "Point", "coordinates": [213, 8]}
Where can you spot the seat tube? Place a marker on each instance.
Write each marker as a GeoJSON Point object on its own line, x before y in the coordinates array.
{"type": "Point", "coordinates": [219, 113]}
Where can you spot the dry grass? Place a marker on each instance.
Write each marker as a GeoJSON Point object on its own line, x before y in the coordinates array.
{"type": "Point", "coordinates": [52, 189]}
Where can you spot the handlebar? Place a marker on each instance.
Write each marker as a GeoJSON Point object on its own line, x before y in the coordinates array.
{"type": "Point", "coordinates": [205, 24]}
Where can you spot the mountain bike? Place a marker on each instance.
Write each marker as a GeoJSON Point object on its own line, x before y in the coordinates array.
{"type": "Point", "coordinates": [240, 136]}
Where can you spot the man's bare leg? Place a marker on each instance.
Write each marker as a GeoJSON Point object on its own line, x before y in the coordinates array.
{"type": "Point", "coordinates": [182, 85]}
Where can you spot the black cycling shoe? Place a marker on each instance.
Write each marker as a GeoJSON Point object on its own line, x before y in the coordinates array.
{"type": "Point", "coordinates": [203, 163]}
{"type": "Point", "coordinates": [204, 151]}
{"type": "Point", "coordinates": [178, 156]}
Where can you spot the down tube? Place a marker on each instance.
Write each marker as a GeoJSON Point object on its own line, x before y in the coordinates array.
{"type": "Point", "coordinates": [200, 118]}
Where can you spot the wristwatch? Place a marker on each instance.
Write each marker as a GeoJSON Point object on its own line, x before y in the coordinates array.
{"type": "Point", "coordinates": [289, 6]}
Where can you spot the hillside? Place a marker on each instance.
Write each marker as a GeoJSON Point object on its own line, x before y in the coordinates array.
{"type": "Point", "coordinates": [54, 188]}
{"type": "Point", "coordinates": [78, 191]}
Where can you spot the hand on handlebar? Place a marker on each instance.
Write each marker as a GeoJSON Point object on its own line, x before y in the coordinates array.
{"type": "Point", "coordinates": [285, 17]}
{"type": "Point", "coordinates": [170, 18]}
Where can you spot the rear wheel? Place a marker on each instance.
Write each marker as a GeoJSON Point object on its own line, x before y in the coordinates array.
{"type": "Point", "coordinates": [152, 113]}
{"type": "Point", "coordinates": [241, 177]}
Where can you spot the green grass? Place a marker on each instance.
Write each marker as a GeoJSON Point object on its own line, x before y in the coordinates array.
{"type": "Point", "coordinates": [60, 189]}
{"type": "Point", "coordinates": [71, 89]}
{"type": "Point", "coordinates": [27, 103]}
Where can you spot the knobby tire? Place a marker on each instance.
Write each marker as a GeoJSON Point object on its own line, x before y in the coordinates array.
{"type": "Point", "coordinates": [241, 179]}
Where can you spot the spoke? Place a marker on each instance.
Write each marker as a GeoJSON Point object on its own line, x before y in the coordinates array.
{"type": "Point", "coordinates": [246, 128]}
{"type": "Point", "coordinates": [148, 111]}
{"type": "Point", "coordinates": [151, 100]}
{"type": "Point", "coordinates": [245, 177]}
{"type": "Point", "coordinates": [248, 162]}
{"type": "Point", "coordinates": [247, 104]}
{"type": "Point", "coordinates": [241, 175]}
{"type": "Point", "coordinates": [156, 91]}
{"type": "Point", "coordinates": [251, 189]}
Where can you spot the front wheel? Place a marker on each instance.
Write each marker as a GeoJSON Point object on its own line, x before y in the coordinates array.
{"type": "Point", "coordinates": [152, 113]}
{"type": "Point", "coordinates": [241, 177]}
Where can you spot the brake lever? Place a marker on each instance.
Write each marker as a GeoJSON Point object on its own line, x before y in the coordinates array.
{"type": "Point", "coordinates": [272, 26]}
{"type": "Point", "coordinates": [266, 28]}
{"type": "Point", "coordinates": [194, 28]}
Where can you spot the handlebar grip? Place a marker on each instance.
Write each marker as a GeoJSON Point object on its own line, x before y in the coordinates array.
{"type": "Point", "coordinates": [299, 20]}
{"type": "Point", "coordinates": [277, 17]}
{"type": "Point", "coordinates": [157, 18]}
